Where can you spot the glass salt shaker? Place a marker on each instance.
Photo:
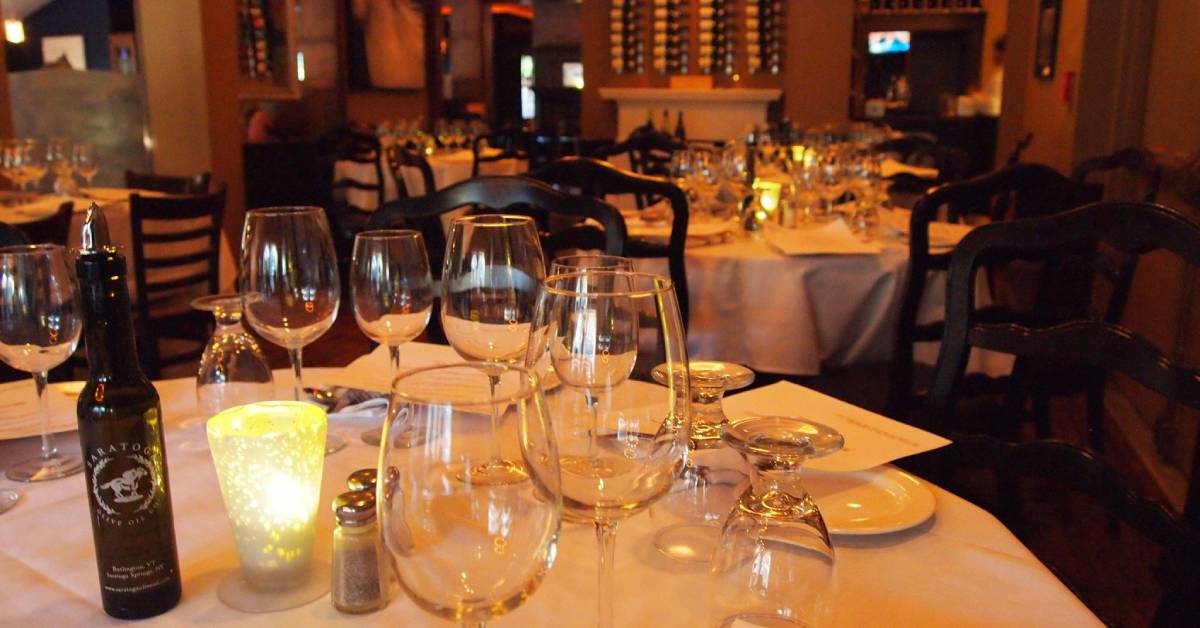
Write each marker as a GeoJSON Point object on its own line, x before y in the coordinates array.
{"type": "Point", "coordinates": [362, 480]}
{"type": "Point", "coordinates": [358, 586]}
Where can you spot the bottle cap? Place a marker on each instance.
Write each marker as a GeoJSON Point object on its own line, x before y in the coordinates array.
{"type": "Point", "coordinates": [94, 236]}
{"type": "Point", "coordinates": [362, 480]}
{"type": "Point", "coordinates": [354, 508]}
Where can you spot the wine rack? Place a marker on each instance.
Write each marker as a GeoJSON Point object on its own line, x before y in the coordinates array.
{"type": "Point", "coordinates": [627, 42]}
{"type": "Point", "coordinates": [671, 43]}
{"type": "Point", "coordinates": [920, 6]}
{"type": "Point", "coordinates": [267, 50]}
{"type": "Point", "coordinates": [764, 36]}
{"type": "Point", "coordinates": [716, 27]}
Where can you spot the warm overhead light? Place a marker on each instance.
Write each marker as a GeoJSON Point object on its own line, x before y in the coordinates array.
{"type": "Point", "coordinates": [14, 31]}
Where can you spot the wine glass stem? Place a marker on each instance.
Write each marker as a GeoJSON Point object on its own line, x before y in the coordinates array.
{"type": "Point", "coordinates": [494, 380]}
{"type": "Point", "coordinates": [394, 357]}
{"type": "Point", "coordinates": [48, 449]}
{"type": "Point", "coordinates": [591, 400]}
{"type": "Point", "coordinates": [606, 539]}
{"type": "Point", "coordinates": [298, 380]}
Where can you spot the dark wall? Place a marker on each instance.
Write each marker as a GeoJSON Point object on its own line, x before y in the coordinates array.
{"type": "Point", "coordinates": [90, 18]}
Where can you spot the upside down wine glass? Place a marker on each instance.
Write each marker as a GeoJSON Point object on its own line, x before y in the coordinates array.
{"type": "Point", "coordinates": [289, 283]}
{"type": "Point", "coordinates": [603, 331]}
{"type": "Point", "coordinates": [491, 279]}
{"type": "Point", "coordinates": [39, 329]}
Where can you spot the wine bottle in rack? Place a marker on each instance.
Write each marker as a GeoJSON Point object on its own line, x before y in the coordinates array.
{"type": "Point", "coordinates": [121, 439]}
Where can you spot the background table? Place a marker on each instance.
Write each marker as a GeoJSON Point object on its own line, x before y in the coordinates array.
{"type": "Point", "coordinates": [960, 568]}
{"type": "Point", "coordinates": [448, 167]}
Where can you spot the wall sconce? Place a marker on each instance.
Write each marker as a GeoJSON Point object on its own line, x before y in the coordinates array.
{"type": "Point", "coordinates": [14, 31]}
{"type": "Point", "coordinates": [269, 458]}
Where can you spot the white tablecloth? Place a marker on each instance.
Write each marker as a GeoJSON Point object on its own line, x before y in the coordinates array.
{"type": "Point", "coordinates": [448, 168]}
{"type": "Point", "coordinates": [960, 568]}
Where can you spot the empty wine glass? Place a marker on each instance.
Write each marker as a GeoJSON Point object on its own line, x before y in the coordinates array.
{"type": "Point", "coordinates": [289, 283]}
{"type": "Point", "coordinates": [39, 329]}
{"type": "Point", "coordinates": [233, 370]}
{"type": "Point", "coordinates": [87, 162]}
{"type": "Point", "coordinates": [62, 166]}
{"type": "Point", "coordinates": [12, 162]}
{"type": "Point", "coordinates": [33, 162]}
{"type": "Point", "coordinates": [465, 549]}
{"type": "Point", "coordinates": [774, 564]}
{"type": "Point", "coordinates": [491, 279]}
{"type": "Point", "coordinates": [589, 261]}
{"type": "Point", "coordinates": [392, 291]}
{"type": "Point", "coordinates": [603, 331]}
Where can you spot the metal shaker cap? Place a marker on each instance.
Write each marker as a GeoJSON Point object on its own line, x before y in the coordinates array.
{"type": "Point", "coordinates": [354, 508]}
{"type": "Point", "coordinates": [362, 480]}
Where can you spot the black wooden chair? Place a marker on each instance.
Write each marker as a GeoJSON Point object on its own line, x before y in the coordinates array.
{"type": "Point", "coordinates": [600, 179]}
{"type": "Point", "coordinates": [346, 216]}
{"type": "Point", "coordinates": [168, 184]}
{"type": "Point", "coordinates": [649, 151]}
{"type": "Point", "coordinates": [176, 258]}
{"type": "Point", "coordinates": [1014, 157]}
{"type": "Point", "coordinates": [53, 230]}
{"type": "Point", "coordinates": [510, 144]}
{"type": "Point", "coordinates": [1080, 343]}
{"type": "Point", "coordinates": [518, 195]}
{"type": "Point", "coordinates": [1023, 191]}
{"type": "Point", "coordinates": [1080, 517]}
{"type": "Point", "coordinates": [400, 157]}
{"type": "Point", "coordinates": [10, 235]}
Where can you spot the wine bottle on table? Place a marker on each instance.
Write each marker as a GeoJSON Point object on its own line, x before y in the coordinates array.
{"type": "Point", "coordinates": [680, 132]}
{"type": "Point", "coordinates": [121, 439]}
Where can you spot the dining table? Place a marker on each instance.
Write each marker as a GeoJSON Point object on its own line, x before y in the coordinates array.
{"type": "Point", "coordinates": [958, 566]}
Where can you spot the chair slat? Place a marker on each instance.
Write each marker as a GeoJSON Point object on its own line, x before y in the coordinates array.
{"type": "Point", "coordinates": [181, 282]}
{"type": "Point", "coordinates": [176, 260]}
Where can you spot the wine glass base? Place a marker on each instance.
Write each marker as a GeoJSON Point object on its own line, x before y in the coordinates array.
{"type": "Point", "coordinates": [44, 469]}
{"type": "Point", "coordinates": [8, 499]}
{"type": "Point", "coordinates": [497, 472]}
{"type": "Point", "coordinates": [334, 443]}
{"type": "Point", "coordinates": [688, 542]}
{"type": "Point", "coordinates": [761, 620]}
{"type": "Point", "coordinates": [402, 440]}
{"type": "Point", "coordinates": [236, 592]}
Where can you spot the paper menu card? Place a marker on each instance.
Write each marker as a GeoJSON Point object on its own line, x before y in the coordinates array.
{"type": "Point", "coordinates": [19, 417]}
{"type": "Point", "coordinates": [831, 238]}
{"type": "Point", "coordinates": [871, 439]}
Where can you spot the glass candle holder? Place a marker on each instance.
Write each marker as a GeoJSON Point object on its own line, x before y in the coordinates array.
{"type": "Point", "coordinates": [269, 457]}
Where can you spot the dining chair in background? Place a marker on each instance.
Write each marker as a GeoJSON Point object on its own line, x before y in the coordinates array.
{"type": "Point", "coordinates": [401, 157]}
{"type": "Point", "coordinates": [55, 229]}
{"type": "Point", "coordinates": [1074, 344]}
{"type": "Point", "coordinates": [176, 258]}
{"type": "Point", "coordinates": [601, 179]}
{"type": "Point", "coordinates": [1018, 192]}
{"type": "Point", "coordinates": [167, 184]}
{"type": "Point", "coordinates": [352, 198]}
{"type": "Point", "coordinates": [510, 144]}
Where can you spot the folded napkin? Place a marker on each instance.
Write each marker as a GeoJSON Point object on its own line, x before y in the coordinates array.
{"type": "Point", "coordinates": [19, 416]}
{"type": "Point", "coordinates": [871, 439]}
{"type": "Point", "coordinates": [942, 235]}
{"type": "Point", "coordinates": [890, 168]}
{"type": "Point", "coordinates": [831, 238]}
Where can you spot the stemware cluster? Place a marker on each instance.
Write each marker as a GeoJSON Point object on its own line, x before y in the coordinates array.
{"type": "Point", "coordinates": [25, 162]}
{"type": "Point", "coordinates": [442, 134]}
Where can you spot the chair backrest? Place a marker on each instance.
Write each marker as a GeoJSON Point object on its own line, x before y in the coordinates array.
{"type": "Point", "coordinates": [197, 184]}
{"type": "Point", "coordinates": [356, 146]}
{"type": "Point", "coordinates": [400, 157]}
{"type": "Point", "coordinates": [1140, 163]}
{"type": "Point", "coordinates": [1017, 192]}
{"type": "Point", "coordinates": [597, 178]}
{"type": "Point", "coordinates": [649, 151]}
{"type": "Point", "coordinates": [53, 230]}
{"type": "Point", "coordinates": [11, 236]}
{"type": "Point", "coordinates": [1014, 157]}
{"type": "Point", "coordinates": [176, 248]}
{"type": "Point", "coordinates": [1135, 228]}
{"type": "Point", "coordinates": [511, 144]}
{"type": "Point", "coordinates": [509, 194]}
{"type": "Point", "coordinates": [1030, 486]}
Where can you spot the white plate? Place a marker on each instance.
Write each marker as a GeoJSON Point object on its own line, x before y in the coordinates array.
{"type": "Point", "coordinates": [875, 501]}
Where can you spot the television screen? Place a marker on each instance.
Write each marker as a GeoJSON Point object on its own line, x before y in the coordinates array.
{"type": "Point", "coordinates": [888, 42]}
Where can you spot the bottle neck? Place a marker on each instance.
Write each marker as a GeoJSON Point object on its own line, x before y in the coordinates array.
{"type": "Point", "coordinates": [107, 317]}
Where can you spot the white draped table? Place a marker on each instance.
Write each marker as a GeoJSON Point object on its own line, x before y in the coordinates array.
{"type": "Point", "coordinates": [962, 567]}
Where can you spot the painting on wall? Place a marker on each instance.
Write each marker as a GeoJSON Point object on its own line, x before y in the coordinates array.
{"type": "Point", "coordinates": [385, 42]}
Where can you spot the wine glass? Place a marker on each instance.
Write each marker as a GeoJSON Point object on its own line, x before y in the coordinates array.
{"type": "Point", "coordinates": [62, 165]}
{"type": "Point", "coordinates": [603, 331]}
{"type": "Point", "coordinates": [233, 370]}
{"type": "Point", "coordinates": [589, 261]}
{"type": "Point", "coordinates": [392, 291]}
{"type": "Point", "coordinates": [462, 548]}
{"type": "Point", "coordinates": [491, 279]}
{"type": "Point", "coordinates": [774, 564]}
{"type": "Point", "coordinates": [87, 162]}
{"type": "Point", "coordinates": [831, 180]}
{"type": "Point", "coordinates": [11, 156]}
{"type": "Point", "coordinates": [33, 162]}
{"type": "Point", "coordinates": [39, 329]}
{"type": "Point", "coordinates": [289, 283]}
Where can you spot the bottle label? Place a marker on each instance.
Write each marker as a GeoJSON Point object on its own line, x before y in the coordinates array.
{"type": "Point", "coordinates": [125, 483]}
